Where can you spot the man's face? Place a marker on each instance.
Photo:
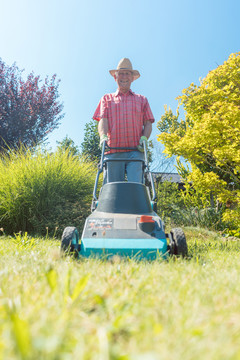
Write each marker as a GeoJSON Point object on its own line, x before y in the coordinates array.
{"type": "Point", "coordinates": [124, 78]}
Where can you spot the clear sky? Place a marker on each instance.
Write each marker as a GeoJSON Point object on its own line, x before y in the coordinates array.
{"type": "Point", "coordinates": [172, 43]}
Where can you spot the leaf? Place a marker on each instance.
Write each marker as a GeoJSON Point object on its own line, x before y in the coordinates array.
{"type": "Point", "coordinates": [22, 335]}
{"type": "Point", "coordinates": [67, 284]}
{"type": "Point", "coordinates": [81, 284]}
{"type": "Point", "coordinates": [52, 276]}
{"type": "Point", "coordinates": [157, 328]}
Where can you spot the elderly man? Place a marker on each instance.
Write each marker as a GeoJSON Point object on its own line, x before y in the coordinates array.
{"type": "Point", "coordinates": [125, 120]}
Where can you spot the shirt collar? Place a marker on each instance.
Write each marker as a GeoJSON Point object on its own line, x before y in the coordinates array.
{"type": "Point", "coordinates": [118, 92]}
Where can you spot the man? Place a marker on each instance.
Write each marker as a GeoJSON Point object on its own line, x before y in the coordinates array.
{"type": "Point", "coordinates": [125, 120]}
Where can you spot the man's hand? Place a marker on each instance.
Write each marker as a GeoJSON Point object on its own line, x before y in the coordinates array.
{"type": "Point", "coordinates": [142, 140]}
{"type": "Point", "coordinates": [103, 138]}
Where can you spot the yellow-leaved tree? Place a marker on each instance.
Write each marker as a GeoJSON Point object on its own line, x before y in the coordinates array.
{"type": "Point", "coordinates": [209, 135]}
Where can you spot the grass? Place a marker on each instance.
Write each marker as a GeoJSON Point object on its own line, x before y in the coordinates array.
{"type": "Point", "coordinates": [58, 308]}
{"type": "Point", "coordinates": [39, 190]}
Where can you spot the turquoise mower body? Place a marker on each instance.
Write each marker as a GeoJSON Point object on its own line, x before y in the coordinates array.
{"type": "Point", "coordinates": [124, 223]}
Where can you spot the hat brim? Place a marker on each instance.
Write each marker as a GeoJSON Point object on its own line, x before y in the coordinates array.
{"type": "Point", "coordinates": [136, 73]}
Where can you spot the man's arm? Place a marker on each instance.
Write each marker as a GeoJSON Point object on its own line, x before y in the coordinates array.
{"type": "Point", "coordinates": [103, 130]}
{"type": "Point", "coordinates": [103, 127]}
{"type": "Point", "coordinates": [147, 129]}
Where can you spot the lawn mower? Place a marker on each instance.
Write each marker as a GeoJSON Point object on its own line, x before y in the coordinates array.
{"type": "Point", "coordinates": [124, 221]}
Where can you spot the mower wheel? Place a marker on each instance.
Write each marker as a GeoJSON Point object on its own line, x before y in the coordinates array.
{"type": "Point", "coordinates": [69, 242]}
{"type": "Point", "coordinates": [178, 243]}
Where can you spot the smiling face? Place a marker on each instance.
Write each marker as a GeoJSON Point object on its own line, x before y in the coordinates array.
{"type": "Point", "coordinates": [124, 78]}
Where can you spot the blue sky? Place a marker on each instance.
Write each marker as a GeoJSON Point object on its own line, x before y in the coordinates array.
{"type": "Point", "coordinates": [172, 43]}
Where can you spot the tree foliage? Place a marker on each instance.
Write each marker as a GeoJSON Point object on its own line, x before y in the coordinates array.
{"type": "Point", "coordinates": [90, 145]}
{"type": "Point", "coordinates": [67, 144]}
{"type": "Point", "coordinates": [209, 136]}
{"type": "Point", "coordinates": [29, 110]}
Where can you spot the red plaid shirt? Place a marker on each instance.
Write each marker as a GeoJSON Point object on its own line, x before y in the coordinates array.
{"type": "Point", "coordinates": [126, 114]}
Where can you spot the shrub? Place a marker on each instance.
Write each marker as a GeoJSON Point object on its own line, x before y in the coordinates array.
{"type": "Point", "coordinates": [208, 218]}
{"type": "Point", "coordinates": [183, 208]}
{"type": "Point", "coordinates": [169, 200]}
{"type": "Point", "coordinates": [40, 191]}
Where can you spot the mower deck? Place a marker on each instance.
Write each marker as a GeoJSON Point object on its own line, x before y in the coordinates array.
{"type": "Point", "coordinates": [120, 234]}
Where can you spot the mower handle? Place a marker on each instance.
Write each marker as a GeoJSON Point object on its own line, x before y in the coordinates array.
{"type": "Point", "coordinates": [105, 145]}
{"type": "Point", "coordinates": [120, 148]}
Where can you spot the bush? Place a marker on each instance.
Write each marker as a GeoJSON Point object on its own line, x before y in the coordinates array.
{"type": "Point", "coordinates": [177, 208]}
{"type": "Point", "coordinates": [208, 218]}
{"type": "Point", "coordinates": [42, 192]}
{"type": "Point", "coordinates": [169, 200]}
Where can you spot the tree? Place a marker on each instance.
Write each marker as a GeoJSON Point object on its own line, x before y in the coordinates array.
{"type": "Point", "coordinates": [68, 144]}
{"type": "Point", "coordinates": [29, 111]}
{"type": "Point", "coordinates": [90, 145]}
{"type": "Point", "coordinates": [209, 136]}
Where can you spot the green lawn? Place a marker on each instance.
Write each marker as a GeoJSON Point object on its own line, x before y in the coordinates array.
{"type": "Point", "coordinates": [56, 308]}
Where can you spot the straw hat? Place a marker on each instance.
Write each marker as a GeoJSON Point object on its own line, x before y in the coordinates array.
{"type": "Point", "coordinates": [125, 64]}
